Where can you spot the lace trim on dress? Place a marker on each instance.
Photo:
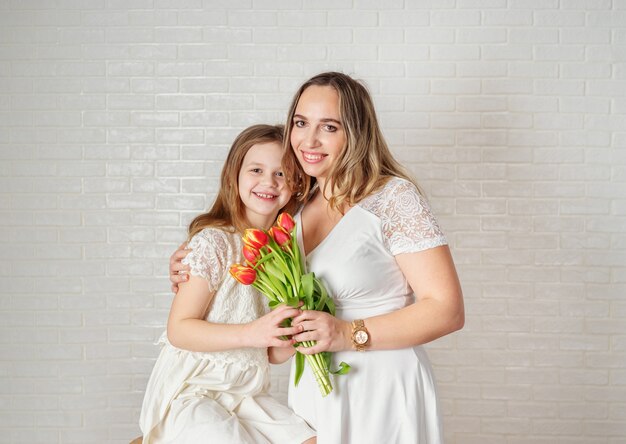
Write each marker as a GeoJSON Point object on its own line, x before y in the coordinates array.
{"type": "Point", "coordinates": [210, 256]}
{"type": "Point", "coordinates": [407, 223]}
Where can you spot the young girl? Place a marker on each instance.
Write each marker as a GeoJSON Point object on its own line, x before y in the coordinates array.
{"type": "Point", "coordinates": [210, 381]}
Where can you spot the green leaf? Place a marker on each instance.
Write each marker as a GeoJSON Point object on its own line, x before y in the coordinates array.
{"type": "Point", "coordinates": [299, 368]}
{"type": "Point", "coordinates": [274, 304]}
{"type": "Point", "coordinates": [307, 289]}
{"type": "Point", "coordinates": [343, 369]}
{"type": "Point", "coordinates": [275, 271]}
{"type": "Point", "coordinates": [329, 304]}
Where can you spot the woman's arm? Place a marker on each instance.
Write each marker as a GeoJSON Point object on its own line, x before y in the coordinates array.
{"type": "Point", "coordinates": [437, 311]}
{"type": "Point", "coordinates": [187, 328]}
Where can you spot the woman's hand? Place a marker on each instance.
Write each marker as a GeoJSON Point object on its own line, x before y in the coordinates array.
{"type": "Point", "coordinates": [179, 272]}
{"type": "Point", "coordinates": [332, 334]}
{"type": "Point", "coordinates": [267, 331]}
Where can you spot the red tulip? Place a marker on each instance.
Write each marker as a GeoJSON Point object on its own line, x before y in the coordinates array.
{"type": "Point", "coordinates": [280, 235]}
{"type": "Point", "coordinates": [243, 274]}
{"type": "Point", "coordinates": [251, 254]}
{"type": "Point", "coordinates": [286, 222]}
{"type": "Point", "coordinates": [255, 238]}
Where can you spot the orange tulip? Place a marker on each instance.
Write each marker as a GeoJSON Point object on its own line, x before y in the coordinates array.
{"type": "Point", "coordinates": [286, 222]}
{"type": "Point", "coordinates": [251, 254]}
{"type": "Point", "coordinates": [255, 238]}
{"type": "Point", "coordinates": [280, 235]}
{"type": "Point", "coordinates": [243, 274]}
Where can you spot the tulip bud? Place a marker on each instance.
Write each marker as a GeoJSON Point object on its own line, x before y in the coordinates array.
{"type": "Point", "coordinates": [280, 235]}
{"type": "Point", "coordinates": [243, 274]}
{"type": "Point", "coordinates": [251, 254]}
{"type": "Point", "coordinates": [255, 238]}
{"type": "Point", "coordinates": [286, 222]}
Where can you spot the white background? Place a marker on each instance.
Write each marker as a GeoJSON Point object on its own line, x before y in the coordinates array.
{"type": "Point", "coordinates": [115, 117]}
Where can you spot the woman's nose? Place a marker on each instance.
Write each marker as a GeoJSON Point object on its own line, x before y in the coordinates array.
{"type": "Point", "coordinates": [311, 139]}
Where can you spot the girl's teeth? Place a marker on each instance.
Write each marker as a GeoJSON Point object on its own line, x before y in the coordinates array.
{"type": "Point", "coordinates": [265, 196]}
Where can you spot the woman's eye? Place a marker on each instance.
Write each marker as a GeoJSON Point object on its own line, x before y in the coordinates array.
{"type": "Point", "coordinates": [330, 128]}
{"type": "Point", "coordinates": [298, 123]}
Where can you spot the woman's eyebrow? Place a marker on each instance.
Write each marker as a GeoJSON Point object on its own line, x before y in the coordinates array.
{"type": "Point", "coordinates": [325, 120]}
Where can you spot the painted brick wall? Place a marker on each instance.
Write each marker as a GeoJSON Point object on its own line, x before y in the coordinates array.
{"type": "Point", "coordinates": [115, 117]}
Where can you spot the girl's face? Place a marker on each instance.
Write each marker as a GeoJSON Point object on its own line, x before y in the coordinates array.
{"type": "Point", "coordinates": [261, 184]}
{"type": "Point", "coordinates": [317, 135]}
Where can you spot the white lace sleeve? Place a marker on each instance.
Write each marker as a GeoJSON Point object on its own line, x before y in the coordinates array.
{"type": "Point", "coordinates": [210, 256]}
{"type": "Point", "coordinates": [407, 224]}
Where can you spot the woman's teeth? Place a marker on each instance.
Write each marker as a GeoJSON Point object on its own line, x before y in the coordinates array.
{"type": "Point", "coordinates": [312, 157]}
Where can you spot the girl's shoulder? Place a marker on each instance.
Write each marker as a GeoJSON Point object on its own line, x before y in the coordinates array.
{"type": "Point", "coordinates": [212, 235]}
{"type": "Point", "coordinates": [212, 251]}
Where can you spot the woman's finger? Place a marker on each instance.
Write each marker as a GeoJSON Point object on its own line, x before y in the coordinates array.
{"type": "Point", "coordinates": [306, 336]}
{"type": "Point", "coordinates": [317, 348]}
{"type": "Point", "coordinates": [306, 315]}
{"type": "Point", "coordinates": [178, 278]}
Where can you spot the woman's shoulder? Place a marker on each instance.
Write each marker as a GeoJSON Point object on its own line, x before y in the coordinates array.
{"type": "Point", "coordinates": [392, 189]}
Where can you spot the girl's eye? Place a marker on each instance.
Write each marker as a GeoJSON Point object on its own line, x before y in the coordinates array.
{"type": "Point", "coordinates": [256, 170]}
{"type": "Point", "coordinates": [280, 174]}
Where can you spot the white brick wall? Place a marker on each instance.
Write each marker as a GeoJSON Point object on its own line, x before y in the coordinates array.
{"type": "Point", "coordinates": [115, 117]}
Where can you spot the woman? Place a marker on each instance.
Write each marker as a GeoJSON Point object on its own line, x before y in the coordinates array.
{"type": "Point", "coordinates": [369, 234]}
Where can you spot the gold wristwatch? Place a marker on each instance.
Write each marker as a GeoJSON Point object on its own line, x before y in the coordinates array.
{"type": "Point", "coordinates": [360, 335]}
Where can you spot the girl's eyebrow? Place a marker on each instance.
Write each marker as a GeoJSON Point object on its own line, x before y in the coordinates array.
{"type": "Point", "coordinates": [325, 120]}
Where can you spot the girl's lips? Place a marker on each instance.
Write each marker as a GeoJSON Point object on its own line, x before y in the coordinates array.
{"type": "Point", "coordinates": [313, 157]}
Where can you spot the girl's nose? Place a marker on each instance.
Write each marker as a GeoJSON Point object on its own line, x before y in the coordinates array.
{"type": "Point", "coordinates": [268, 179]}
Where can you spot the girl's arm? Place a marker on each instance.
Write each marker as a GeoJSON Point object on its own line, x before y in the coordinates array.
{"type": "Point", "coordinates": [278, 355]}
{"type": "Point", "coordinates": [438, 310]}
{"type": "Point", "coordinates": [187, 328]}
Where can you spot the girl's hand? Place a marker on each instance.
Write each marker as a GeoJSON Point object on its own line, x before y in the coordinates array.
{"type": "Point", "coordinates": [179, 271]}
{"type": "Point", "coordinates": [267, 331]}
{"type": "Point", "coordinates": [332, 334]}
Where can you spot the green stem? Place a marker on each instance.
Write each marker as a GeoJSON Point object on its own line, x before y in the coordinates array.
{"type": "Point", "coordinates": [319, 369]}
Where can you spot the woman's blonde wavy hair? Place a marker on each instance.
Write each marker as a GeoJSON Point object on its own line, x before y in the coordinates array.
{"type": "Point", "coordinates": [364, 165]}
{"type": "Point", "coordinates": [228, 211]}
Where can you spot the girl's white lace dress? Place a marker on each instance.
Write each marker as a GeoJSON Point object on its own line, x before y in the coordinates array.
{"type": "Point", "coordinates": [217, 397]}
{"type": "Point", "coordinates": [389, 396]}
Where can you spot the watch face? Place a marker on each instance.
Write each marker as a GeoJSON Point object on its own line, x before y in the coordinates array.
{"type": "Point", "coordinates": [361, 337]}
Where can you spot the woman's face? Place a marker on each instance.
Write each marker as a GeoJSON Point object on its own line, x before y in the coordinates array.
{"type": "Point", "coordinates": [317, 135]}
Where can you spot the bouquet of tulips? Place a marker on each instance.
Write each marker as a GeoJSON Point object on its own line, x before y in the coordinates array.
{"type": "Point", "coordinates": [274, 266]}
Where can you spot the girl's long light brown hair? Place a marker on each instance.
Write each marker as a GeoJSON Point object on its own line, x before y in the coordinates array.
{"type": "Point", "coordinates": [228, 211]}
{"type": "Point", "coordinates": [364, 165]}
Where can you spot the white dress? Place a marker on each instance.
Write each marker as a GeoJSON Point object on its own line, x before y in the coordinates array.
{"type": "Point", "coordinates": [389, 396]}
{"type": "Point", "coordinates": [217, 397]}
